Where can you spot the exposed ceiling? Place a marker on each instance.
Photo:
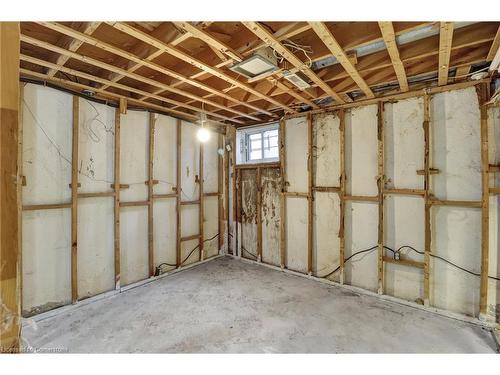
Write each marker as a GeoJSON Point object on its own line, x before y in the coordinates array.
{"type": "Point", "coordinates": [183, 67]}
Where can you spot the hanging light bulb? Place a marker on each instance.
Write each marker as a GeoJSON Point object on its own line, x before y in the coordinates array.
{"type": "Point", "coordinates": [203, 133]}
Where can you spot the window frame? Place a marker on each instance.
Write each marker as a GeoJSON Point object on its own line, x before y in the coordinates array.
{"type": "Point", "coordinates": [244, 144]}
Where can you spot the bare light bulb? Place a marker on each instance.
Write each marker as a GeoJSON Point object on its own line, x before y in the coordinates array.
{"type": "Point", "coordinates": [203, 135]}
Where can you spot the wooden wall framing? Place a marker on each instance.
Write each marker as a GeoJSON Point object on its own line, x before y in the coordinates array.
{"type": "Point", "coordinates": [10, 182]}
{"type": "Point", "coordinates": [118, 185]}
{"type": "Point", "coordinates": [425, 193]}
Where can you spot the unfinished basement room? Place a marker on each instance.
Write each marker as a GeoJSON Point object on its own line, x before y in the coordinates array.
{"type": "Point", "coordinates": [237, 186]}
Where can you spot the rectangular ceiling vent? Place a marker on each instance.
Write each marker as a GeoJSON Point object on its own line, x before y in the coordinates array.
{"type": "Point", "coordinates": [299, 79]}
{"type": "Point", "coordinates": [262, 61]}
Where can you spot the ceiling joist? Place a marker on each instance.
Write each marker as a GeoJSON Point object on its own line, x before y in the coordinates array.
{"type": "Point", "coordinates": [75, 44]}
{"type": "Point", "coordinates": [275, 44]}
{"type": "Point", "coordinates": [389, 37]}
{"type": "Point", "coordinates": [119, 52]}
{"type": "Point", "coordinates": [445, 41]}
{"type": "Point", "coordinates": [223, 48]}
{"type": "Point", "coordinates": [120, 86]}
{"type": "Point", "coordinates": [329, 40]}
{"type": "Point", "coordinates": [182, 67]}
{"type": "Point", "coordinates": [193, 61]}
{"type": "Point", "coordinates": [125, 73]}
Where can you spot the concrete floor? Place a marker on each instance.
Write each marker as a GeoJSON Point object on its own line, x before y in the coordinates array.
{"type": "Point", "coordinates": [227, 305]}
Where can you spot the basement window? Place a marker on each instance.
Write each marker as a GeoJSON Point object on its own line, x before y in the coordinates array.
{"type": "Point", "coordinates": [258, 144]}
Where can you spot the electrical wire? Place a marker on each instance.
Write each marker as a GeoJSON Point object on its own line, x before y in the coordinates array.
{"type": "Point", "coordinates": [158, 267]}
{"type": "Point", "coordinates": [249, 252]}
{"type": "Point", "coordinates": [398, 251]}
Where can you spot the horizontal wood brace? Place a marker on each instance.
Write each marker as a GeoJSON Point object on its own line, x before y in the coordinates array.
{"type": "Point", "coordinates": [49, 206]}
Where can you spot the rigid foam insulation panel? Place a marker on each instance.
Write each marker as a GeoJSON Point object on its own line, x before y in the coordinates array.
{"type": "Point", "coordinates": [46, 267]}
{"type": "Point", "coordinates": [95, 215]}
{"type": "Point", "coordinates": [190, 171]}
{"type": "Point", "coordinates": [361, 218]}
{"type": "Point", "coordinates": [296, 213]}
{"type": "Point", "coordinates": [249, 213]}
{"type": "Point", "coordinates": [456, 232]}
{"type": "Point", "coordinates": [271, 218]}
{"type": "Point", "coordinates": [134, 149]}
{"type": "Point", "coordinates": [164, 209]}
{"type": "Point", "coordinates": [404, 214]}
{"type": "Point", "coordinates": [494, 259]}
{"type": "Point", "coordinates": [211, 204]}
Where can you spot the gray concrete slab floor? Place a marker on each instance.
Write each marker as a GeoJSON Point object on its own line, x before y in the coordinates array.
{"type": "Point", "coordinates": [230, 306]}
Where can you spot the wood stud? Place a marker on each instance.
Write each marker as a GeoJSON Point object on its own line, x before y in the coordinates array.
{"type": "Point", "coordinates": [178, 197]}
{"type": "Point", "coordinates": [117, 187]}
{"type": "Point", "coordinates": [151, 262]}
{"type": "Point", "coordinates": [342, 195]}
{"type": "Point", "coordinates": [283, 237]}
{"type": "Point", "coordinates": [310, 194]}
{"type": "Point", "coordinates": [380, 187]}
{"type": "Point", "coordinates": [483, 95]}
{"type": "Point", "coordinates": [74, 200]}
{"type": "Point", "coordinates": [427, 213]}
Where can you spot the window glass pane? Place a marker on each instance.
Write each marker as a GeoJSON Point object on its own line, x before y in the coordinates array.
{"type": "Point", "coordinates": [271, 143]}
{"type": "Point", "coordinates": [255, 155]}
{"type": "Point", "coordinates": [262, 145]}
{"type": "Point", "coordinates": [255, 145]}
{"type": "Point", "coordinates": [271, 152]}
{"type": "Point", "coordinates": [254, 137]}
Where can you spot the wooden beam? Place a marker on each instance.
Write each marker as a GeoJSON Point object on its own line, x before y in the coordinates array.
{"type": "Point", "coordinates": [380, 186]}
{"type": "Point", "coordinates": [10, 180]}
{"type": "Point", "coordinates": [483, 91]}
{"type": "Point", "coordinates": [139, 50]}
{"type": "Point", "coordinates": [462, 72]}
{"type": "Point", "coordinates": [454, 203]}
{"type": "Point", "coordinates": [331, 43]}
{"type": "Point", "coordinates": [75, 44]}
{"type": "Point", "coordinates": [209, 39]}
{"type": "Point", "coordinates": [137, 77]}
{"type": "Point", "coordinates": [396, 96]}
{"type": "Point", "coordinates": [310, 194]}
{"type": "Point", "coordinates": [226, 190]}
{"type": "Point", "coordinates": [107, 95]}
{"type": "Point", "coordinates": [270, 40]}
{"type": "Point", "coordinates": [122, 53]}
{"type": "Point", "coordinates": [445, 41]}
{"type": "Point", "coordinates": [74, 200]}
{"type": "Point", "coordinates": [151, 252]}
{"type": "Point", "coordinates": [259, 214]}
{"type": "Point", "coordinates": [404, 262]}
{"type": "Point", "coordinates": [495, 46]}
{"type": "Point", "coordinates": [220, 191]}
{"type": "Point", "coordinates": [235, 55]}
{"type": "Point", "coordinates": [427, 208]}
{"type": "Point", "coordinates": [201, 211]}
{"type": "Point", "coordinates": [282, 140]}
{"type": "Point", "coordinates": [178, 189]}
{"type": "Point", "coordinates": [117, 187]}
{"type": "Point", "coordinates": [342, 193]}
{"type": "Point", "coordinates": [127, 88]}
{"type": "Point", "coordinates": [46, 206]}
{"type": "Point", "coordinates": [20, 182]}
{"type": "Point", "coordinates": [190, 238]}
{"type": "Point", "coordinates": [171, 50]}
{"type": "Point", "coordinates": [134, 204]}
{"type": "Point", "coordinates": [389, 37]}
